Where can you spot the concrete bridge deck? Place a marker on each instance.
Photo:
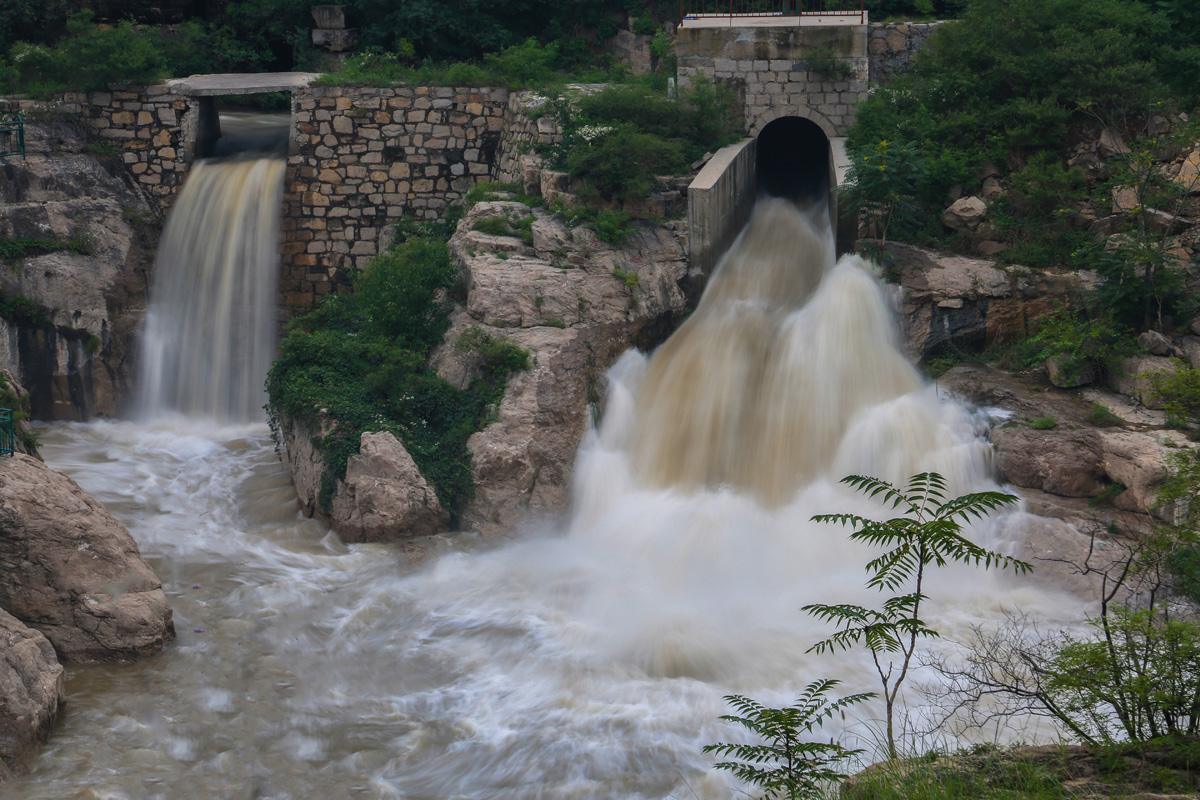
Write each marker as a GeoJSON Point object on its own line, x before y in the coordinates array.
{"type": "Point", "coordinates": [237, 83]}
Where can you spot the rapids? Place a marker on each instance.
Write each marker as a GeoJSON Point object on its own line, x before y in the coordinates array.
{"type": "Point", "coordinates": [587, 660]}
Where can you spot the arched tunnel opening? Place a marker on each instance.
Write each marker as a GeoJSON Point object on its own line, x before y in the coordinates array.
{"type": "Point", "coordinates": [794, 159]}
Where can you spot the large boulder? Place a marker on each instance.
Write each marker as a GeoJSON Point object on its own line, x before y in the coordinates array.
{"type": "Point", "coordinates": [382, 498]}
{"type": "Point", "coordinates": [73, 572]}
{"type": "Point", "coordinates": [32, 693]}
{"type": "Point", "coordinates": [966, 214]}
{"type": "Point", "coordinates": [1132, 377]}
{"type": "Point", "coordinates": [1122, 466]}
{"type": "Point", "coordinates": [1068, 463]}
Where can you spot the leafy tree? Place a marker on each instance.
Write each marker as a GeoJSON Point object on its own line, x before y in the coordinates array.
{"type": "Point", "coordinates": [882, 182]}
{"type": "Point", "coordinates": [927, 534]}
{"type": "Point", "coordinates": [1135, 677]}
{"type": "Point", "coordinates": [785, 765]}
{"type": "Point", "coordinates": [1143, 280]}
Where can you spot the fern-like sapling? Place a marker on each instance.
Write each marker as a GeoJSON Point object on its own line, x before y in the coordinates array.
{"type": "Point", "coordinates": [784, 764]}
{"type": "Point", "coordinates": [928, 533]}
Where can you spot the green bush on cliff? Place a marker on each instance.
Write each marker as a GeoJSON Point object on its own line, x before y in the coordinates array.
{"type": "Point", "coordinates": [358, 363]}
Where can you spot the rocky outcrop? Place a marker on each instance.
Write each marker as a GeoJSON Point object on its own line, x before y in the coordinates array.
{"type": "Point", "coordinates": [1112, 469]}
{"type": "Point", "coordinates": [576, 304]}
{"type": "Point", "coordinates": [383, 497]}
{"type": "Point", "coordinates": [73, 572]}
{"type": "Point", "coordinates": [1132, 377]}
{"type": "Point", "coordinates": [72, 344]}
{"type": "Point", "coordinates": [32, 693]}
{"type": "Point", "coordinates": [953, 302]}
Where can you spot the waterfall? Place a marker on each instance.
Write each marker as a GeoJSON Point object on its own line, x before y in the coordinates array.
{"type": "Point", "coordinates": [209, 335]}
{"type": "Point", "coordinates": [769, 384]}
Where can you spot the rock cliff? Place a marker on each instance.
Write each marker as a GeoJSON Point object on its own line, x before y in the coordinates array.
{"type": "Point", "coordinates": [576, 303]}
{"type": "Point", "coordinates": [68, 316]}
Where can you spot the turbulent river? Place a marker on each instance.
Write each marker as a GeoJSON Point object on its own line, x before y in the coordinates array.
{"type": "Point", "coordinates": [586, 659]}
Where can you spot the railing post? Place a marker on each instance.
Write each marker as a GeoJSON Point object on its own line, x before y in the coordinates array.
{"type": "Point", "coordinates": [7, 435]}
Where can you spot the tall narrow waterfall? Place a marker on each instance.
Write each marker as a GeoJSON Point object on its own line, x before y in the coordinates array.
{"type": "Point", "coordinates": [209, 334]}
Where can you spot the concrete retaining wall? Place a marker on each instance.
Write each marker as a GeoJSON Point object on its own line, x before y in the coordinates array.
{"type": "Point", "coordinates": [720, 200]}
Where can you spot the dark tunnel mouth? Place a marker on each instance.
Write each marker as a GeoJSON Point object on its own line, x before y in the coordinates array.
{"type": "Point", "coordinates": [793, 160]}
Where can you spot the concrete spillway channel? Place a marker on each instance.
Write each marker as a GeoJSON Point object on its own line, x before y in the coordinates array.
{"type": "Point", "coordinates": [791, 157]}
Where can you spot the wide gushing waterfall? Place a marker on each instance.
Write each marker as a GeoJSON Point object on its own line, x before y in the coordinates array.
{"type": "Point", "coordinates": [209, 336]}
{"type": "Point", "coordinates": [587, 661]}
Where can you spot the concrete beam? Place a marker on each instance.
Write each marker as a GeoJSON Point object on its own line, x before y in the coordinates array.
{"type": "Point", "coordinates": [217, 85]}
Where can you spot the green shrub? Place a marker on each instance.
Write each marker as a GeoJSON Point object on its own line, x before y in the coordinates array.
{"type": "Point", "coordinates": [882, 182]}
{"type": "Point", "coordinates": [613, 227]}
{"type": "Point", "coordinates": [1101, 417]}
{"type": "Point", "coordinates": [622, 164]}
{"type": "Point", "coordinates": [827, 65]}
{"type": "Point", "coordinates": [786, 763]}
{"type": "Point", "coordinates": [497, 356]}
{"type": "Point", "coordinates": [362, 358]}
{"type": "Point", "coordinates": [1178, 391]}
{"type": "Point", "coordinates": [88, 57]}
{"type": "Point", "coordinates": [644, 26]}
{"type": "Point", "coordinates": [1044, 423]}
{"type": "Point", "coordinates": [12, 250]}
{"type": "Point", "coordinates": [1082, 340]}
{"type": "Point", "coordinates": [526, 64]}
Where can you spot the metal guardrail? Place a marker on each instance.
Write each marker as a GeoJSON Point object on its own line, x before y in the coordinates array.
{"type": "Point", "coordinates": [8, 439]}
{"type": "Point", "coordinates": [696, 9]}
{"type": "Point", "coordinates": [12, 135]}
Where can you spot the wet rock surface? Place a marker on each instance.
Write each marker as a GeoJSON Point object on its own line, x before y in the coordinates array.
{"type": "Point", "coordinates": [1076, 470]}
{"type": "Point", "coordinates": [957, 303]}
{"type": "Point", "coordinates": [74, 351]}
{"type": "Point", "coordinates": [383, 497]}
{"type": "Point", "coordinates": [32, 693]}
{"type": "Point", "coordinates": [72, 572]}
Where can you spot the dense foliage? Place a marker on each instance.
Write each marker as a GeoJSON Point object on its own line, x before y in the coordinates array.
{"type": "Point", "coordinates": [1014, 75]}
{"type": "Point", "coordinates": [359, 363]}
{"type": "Point", "coordinates": [620, 139]}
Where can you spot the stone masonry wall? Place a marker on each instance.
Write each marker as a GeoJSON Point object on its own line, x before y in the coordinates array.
{"type": "Point", "coordinates": [363, 157]}
{"type": "Point", "coordinates": [147, 126]}
{"type": "Point", "coordinates": [893, 45]}
{"type": "Point", "coordinates": [768, 69]}
{"type": "Point", "coordinates": [522, 134]}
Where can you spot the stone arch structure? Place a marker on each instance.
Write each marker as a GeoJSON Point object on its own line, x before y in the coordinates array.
{"type": "Point", "coordinates": [782, 111]}
{"type": "Point", "coordinates": [794, 159]}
